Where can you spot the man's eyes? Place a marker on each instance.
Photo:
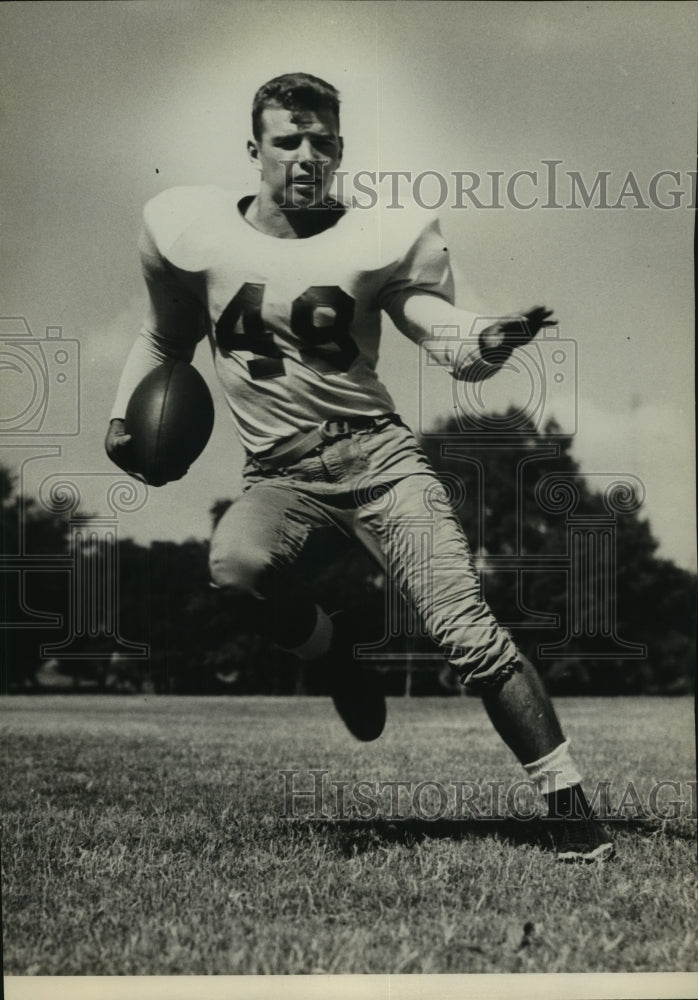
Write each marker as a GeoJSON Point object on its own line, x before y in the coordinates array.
{"type": "Point", "coordinates": [293, 142]}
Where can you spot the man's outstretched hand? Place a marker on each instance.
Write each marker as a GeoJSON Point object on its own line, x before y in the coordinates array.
{"type": "Point", "coordinates": [514, 331]}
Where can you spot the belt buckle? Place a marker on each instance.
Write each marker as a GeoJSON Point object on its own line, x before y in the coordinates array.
{"type": "Point", "coordinates": [332, 430]}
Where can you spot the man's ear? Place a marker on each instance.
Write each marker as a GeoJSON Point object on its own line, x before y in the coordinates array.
{"type": "Point", "coordinates": [253, 154]}
{"type": "Point", "coordinates": [341, 151]}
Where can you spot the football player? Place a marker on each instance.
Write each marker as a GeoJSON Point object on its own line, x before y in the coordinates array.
{"type": "Point", "coordinates": [289, 286]}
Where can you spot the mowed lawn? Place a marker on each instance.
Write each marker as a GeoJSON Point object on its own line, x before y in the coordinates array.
{"type": "Point", "coordinates": [148, 836]}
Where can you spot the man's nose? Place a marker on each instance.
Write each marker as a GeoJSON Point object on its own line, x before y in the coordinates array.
{"type": "Point", "coordinates": [307, 153]}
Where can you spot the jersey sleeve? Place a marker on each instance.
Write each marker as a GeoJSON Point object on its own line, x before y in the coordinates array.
{"type": "Point", "coordinates": [174, 323]}
{"type": "Point", "coordinates": [419, 298]}
{"type": "Point", "coordinates": [424, 269]}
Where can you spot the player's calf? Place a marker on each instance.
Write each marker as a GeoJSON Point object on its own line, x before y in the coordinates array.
{"type": "Point", "coordinates": [356, 691]}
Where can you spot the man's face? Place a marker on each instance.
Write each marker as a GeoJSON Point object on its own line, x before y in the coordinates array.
{"type": "Point", "coordinates": [297, 155]}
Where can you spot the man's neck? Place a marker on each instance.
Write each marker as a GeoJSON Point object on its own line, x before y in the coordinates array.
{"type": "Point", "coordinates": [292, 223]}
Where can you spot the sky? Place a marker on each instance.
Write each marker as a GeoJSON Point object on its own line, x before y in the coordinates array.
{"type": "Point", "coordinates": [106, 104]}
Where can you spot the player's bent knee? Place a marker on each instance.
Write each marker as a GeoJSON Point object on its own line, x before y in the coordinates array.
{"type": "Point", "coordinates": [244, 573]}
{"type": "Point", "coordinates": [482, 683]}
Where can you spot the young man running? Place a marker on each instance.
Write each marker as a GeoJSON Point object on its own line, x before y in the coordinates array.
{"type": "Point", "coordinates": [289, 286]}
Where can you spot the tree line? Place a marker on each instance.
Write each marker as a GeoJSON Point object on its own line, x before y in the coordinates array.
{"type": "Point", "coordinates": [581, 588]}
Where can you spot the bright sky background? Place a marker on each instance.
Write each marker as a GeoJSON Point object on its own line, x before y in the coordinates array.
{"type": "Point", "coordinates": [106, 104]}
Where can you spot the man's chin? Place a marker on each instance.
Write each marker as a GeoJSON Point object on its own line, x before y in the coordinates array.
{"type": "Point", "coordinates": [301, 197]}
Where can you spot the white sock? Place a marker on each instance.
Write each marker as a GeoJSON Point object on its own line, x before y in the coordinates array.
{"type": "Point", "coordinates": [554, 771]}
{"type": "Point", "coordinates": [318, 642]}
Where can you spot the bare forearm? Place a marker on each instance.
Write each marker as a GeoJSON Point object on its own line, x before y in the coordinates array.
{"type": "Point", "coordinates": [471, 347]}
{"type": "Point", "coordinates": [451, 336]}
{"type": "Point", "coordinates": [147, 353]}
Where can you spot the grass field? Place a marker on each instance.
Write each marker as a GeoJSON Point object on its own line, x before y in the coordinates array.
{"type": "Point", "coordinates": [148, 836]}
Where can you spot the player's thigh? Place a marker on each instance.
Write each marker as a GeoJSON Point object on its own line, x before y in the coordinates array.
{"type": "Point", "coordinates": [414, 531]}
{"type": "Point", "coordinates": [267, 533]}
{"type": "Point", "coordinates": [428, 559]}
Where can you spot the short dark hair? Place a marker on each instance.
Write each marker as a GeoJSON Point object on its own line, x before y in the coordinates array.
{"type": "Point", "coordinates": [295, 92]}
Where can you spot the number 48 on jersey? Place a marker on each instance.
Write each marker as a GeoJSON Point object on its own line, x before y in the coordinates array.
{"type": "Point", "coordinates": [320, 318]}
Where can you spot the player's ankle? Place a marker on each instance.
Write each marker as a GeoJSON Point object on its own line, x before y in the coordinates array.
{"type": "Point", "coordinates": [568, 803]}
{"type": "Point", "coordinates": [556, 770]}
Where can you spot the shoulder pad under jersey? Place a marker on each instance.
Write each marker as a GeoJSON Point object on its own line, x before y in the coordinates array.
{"type": "Point", "coordinates": [169, 214]}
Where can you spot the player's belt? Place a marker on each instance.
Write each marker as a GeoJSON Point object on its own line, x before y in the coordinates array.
{"type": "Point", "coordinates": [301, 444]}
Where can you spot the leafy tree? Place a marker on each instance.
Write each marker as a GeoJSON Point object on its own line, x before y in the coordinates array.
{"type": "Point", "coordinates": [201, 643]}
{"type": "Point", "coordinates": [28, 600]}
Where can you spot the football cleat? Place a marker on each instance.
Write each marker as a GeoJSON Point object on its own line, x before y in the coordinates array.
{"type": "Point", "coordinates": [356, 691]}
{"type": "Point", "coordinates": [582, 840]}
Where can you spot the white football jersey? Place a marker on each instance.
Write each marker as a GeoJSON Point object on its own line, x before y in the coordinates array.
{"type": "Point", "coordinates": [294, 324]}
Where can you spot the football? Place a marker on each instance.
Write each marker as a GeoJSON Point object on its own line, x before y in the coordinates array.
{"type": "Point", "coordinates": [170, 419]}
